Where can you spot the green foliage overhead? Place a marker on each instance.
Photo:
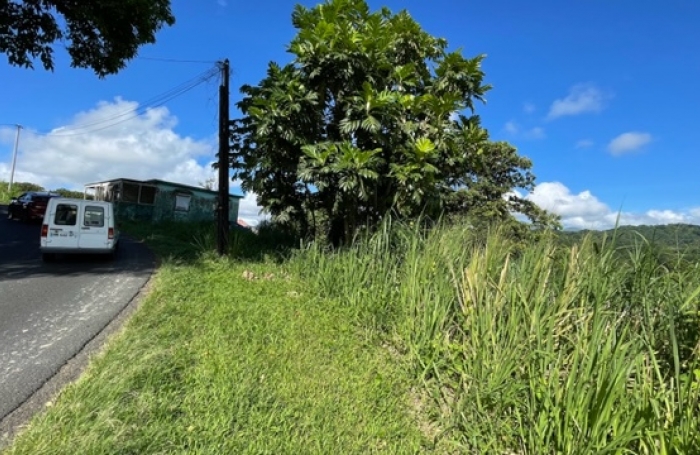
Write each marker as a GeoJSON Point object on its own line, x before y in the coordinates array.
{"type": "Point", "coordinates": [98, 34]}
{"type": "Point", "coordinates": [363, 122]}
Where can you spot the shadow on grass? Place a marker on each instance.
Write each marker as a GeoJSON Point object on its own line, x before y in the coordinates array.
{"type": "Point", "coordinates": [187, 242]}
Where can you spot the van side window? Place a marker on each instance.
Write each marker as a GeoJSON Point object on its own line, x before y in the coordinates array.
{"type": "Point", "coordinates": [94, 216]}
{"type": "Point", "coordinates": [66, 215]}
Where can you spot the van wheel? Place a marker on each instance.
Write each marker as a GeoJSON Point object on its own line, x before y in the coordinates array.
{"type": "Point", "coordinates": [48, 257]}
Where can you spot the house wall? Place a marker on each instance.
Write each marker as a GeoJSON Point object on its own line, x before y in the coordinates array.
{"type": "Point", "coordinates": [201, 206]}
{"type": "Point", "coordinates": [134, 211]}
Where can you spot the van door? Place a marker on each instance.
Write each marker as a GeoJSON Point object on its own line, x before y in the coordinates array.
{"type": "Point", "coordinates": [93, 227]}
{"type": "Point", "coordinates": [63, 228]}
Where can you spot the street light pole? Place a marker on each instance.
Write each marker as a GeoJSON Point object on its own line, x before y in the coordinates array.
{"type": "Point", "coordinates": [14, 159]}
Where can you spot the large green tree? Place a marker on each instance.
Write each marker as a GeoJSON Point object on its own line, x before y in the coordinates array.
{"type": "Point", "coordinates": [363, 122]}
{"type": "Point", "coordinates": [99, 34]}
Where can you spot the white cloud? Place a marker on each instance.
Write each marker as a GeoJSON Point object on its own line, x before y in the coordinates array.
{"type": "Point", "coordinates": [511, 127]}
{"type": "Point", "coordinates": [628, 142]}
{"type": "Point", "coordinates": [249, 211]}
{"type": "Point", "coordinates": [581, 99]}
{"type": "Point", "coordinates": [585, 211]}
{"type": "Point", "coordinates": [668, 216]}
{"type": "Point", "coordinates": [557, 198]}
{"type": "Point", "coordinates": [584, 144]}
{"type": "Point", "coordinates": [110, 142]}
{"type": "Point", "coordinates": [93, 146]}
{"type": "Point", "coordinates": [514, 129]}
{"type": "Point", "coordinates": [535, 133]}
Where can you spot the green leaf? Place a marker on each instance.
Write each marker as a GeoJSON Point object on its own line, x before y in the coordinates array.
{"type": "Point", "coordinates": [348, 126]}
{"type": "Point", "coordinates": [371, 124]}
{"type": "Point", "coordinates": [424, 145]}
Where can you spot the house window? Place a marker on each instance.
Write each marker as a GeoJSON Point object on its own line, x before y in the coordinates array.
{"type": "Point", "coordinates": [182, 202]}
{"type": "Point", "coordinates": [134, 192]}
{"type": "Point", "coordinates": [130, 192]}
{"type": "Point", "coordinates": [94, 216]}
{"type": "Point", "coordinates": [148, 195]}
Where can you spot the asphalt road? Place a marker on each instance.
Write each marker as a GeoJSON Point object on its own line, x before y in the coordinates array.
{"type": "Point", "coordinates": [50, 312]}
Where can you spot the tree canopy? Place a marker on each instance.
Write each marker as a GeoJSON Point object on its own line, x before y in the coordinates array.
{"type": "Point", "coordinates": [372, 116]}
{"type": "Point", "coordinates": [99, 34]}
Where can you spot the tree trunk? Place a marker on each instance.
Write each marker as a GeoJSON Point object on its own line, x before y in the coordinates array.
{"type": "Point", "coordinates": [336, 235]}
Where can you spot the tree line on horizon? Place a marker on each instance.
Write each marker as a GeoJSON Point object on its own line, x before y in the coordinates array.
{"type": "Point", "coordinates": [23, 187]}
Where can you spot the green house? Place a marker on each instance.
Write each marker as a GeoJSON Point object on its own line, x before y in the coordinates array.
{"type": "Point", "coordinates": [157, 200]}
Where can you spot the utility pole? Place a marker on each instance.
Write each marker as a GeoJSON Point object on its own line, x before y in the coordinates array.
{"type": "Point", "coordinates": [223, 205]}
{"type": "Point", "coordinates": [14, 159]}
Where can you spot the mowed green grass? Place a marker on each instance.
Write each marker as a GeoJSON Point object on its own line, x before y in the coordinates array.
{"type": "Point", "coordinates": [237, 358]}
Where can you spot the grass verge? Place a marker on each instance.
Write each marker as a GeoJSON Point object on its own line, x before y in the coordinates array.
{"type": "Point", "coordinates": [227, 357]}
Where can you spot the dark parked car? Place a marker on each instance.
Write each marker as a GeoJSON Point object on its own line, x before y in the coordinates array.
{"type": "Point", "coordinates": [30, 205]}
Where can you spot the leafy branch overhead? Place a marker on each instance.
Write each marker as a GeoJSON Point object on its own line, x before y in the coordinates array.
{"type": "Point", "coordinates": [98, 34]}
{"type": "Point", "coordinates": [363, 123]}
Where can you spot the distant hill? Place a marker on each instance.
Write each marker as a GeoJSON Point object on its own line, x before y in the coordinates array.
{"type": "Point", "coordinates": [669, 240]}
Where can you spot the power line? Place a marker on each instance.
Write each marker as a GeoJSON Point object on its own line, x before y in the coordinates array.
{"type": "Point", "coordinates": [156, 101]}
{"type": "Point", "coordinates": [125, 119]}
{"type": "Point", "coordinates": [151, 102]}
{"type": "Point", "coordinates": [174, 60]}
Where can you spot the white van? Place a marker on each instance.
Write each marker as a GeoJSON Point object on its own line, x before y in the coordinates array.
{"type": "Point", "coordinates": [78, 226]}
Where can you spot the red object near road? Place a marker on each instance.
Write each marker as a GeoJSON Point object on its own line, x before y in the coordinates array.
{"type": "Point", "coordinates": [29, 206]}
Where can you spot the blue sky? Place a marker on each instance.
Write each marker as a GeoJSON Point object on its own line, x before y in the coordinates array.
{"type": "Point", "coordinates": [600, 94]}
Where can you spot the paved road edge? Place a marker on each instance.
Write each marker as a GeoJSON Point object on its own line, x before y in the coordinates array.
{"type": "Point", "coordinates": [16, 420]}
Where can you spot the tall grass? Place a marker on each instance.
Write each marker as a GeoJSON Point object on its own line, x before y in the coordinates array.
{"type": "Point", "coordinates": [538, 350]}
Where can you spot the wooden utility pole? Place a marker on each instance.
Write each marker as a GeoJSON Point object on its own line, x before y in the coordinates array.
{"type": "Point", "coordinates": [223, 205]}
